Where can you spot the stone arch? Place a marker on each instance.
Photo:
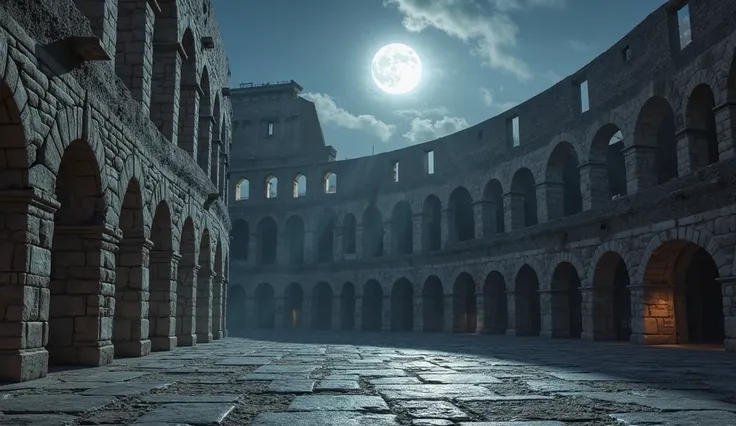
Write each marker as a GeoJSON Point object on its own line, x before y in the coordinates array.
{"type": "Point", "coordinates": [402, 228]}
{"type": "Point", "coordinates": [188, 96]}
{"type": "Point", "coordinates": [293, 306]}
{"type": "Point", "coordinates": [655, 130]}
{"type": "Point", "coordinates": [527, 318]}
{"type": "Point", "coordinates": [267, 241]}
{"type": "Point", "coordinates": [464, 307]}
{"type": "Point", "coordinates": [236, 311]}
{"type": "Point", "coordinates": [166, 56]}
{"type": "Point", "coordinates": [460, 215]}
{"type": "Point", "coordinates": [372, 232]}
{"type": "Point", "coordinates": [218, 292]}
{"type": "Point", "coordinates": [493, 211]}
{"type": "Point", "coordinates": [294, 239]}
{"type": "Point", "coordinates": [562, 182]}
{"type": "Point", "coordinates": [563, 303]}
{"type": "Point", "coordinates": [206, 123]}
{"type": "Point", "coordinates": [402, 305]}
{"type": "Point", "coordinates": [689, 234]}
{"type": "Point", "coordinates": [131, 170]}
{"type": "Point", "coordinates": [523, 199]}
{"type": "Point", "coordinates": [607, 164]}
{"type": "Point", "coordinates": [185, 288]}
{"type": "Point", "coordinates": [240, 245]}
{"type": "Point", "coordinates": [372, 312]}
{"type": "Point", "coordinates": [611, 301]}
{"type": "Point", "coordinates": [217, 144]}
{"type": "Point", "coordinates": [204, 288]}
{"type": "Point", "coordinates": [701, 128]}
{"type": "Point", "coordinates": [349, 230]}
{"type": "Point", "coordinates": [161, 318]}
{"type": "Point", "coordinates": [322, 306]}
{"type": "Point", "coordinates": [265, 306]}
{"type": "Point", "coordinates": [431, 223]}
{"type": "Point", "coordinates": [325, 241]}
{"type": "Point", "coordinates": [495, 308]}
{"type": "Point", "coordinates": [347, 306]}
{"type": "Point", "coordinates": [433, 306]}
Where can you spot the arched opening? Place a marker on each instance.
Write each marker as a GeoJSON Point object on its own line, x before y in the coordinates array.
{"type": "Point", "coordinates": [566, 302]}
{"type": "Point", "coordinates": [655, 127]}
{"type": "Point", "coordinates": [188, 96]}
{"type": "Point", "coordinates": [348, 234]}
{"type": "Point", "coordinates": [372, 306]}
{"type": "Point", "coordinates": [402, 229]}
{"type": "Point", "coordinates": [129, 336]}
{"type": "Point", "coordinates": [161, 312]}
{"type": "Point", "coordinates": [267, 239]}
{"type": "Point", "coordinates": [612, 320]}
{"type": "Point", "coordinates": [240, 240]}
{"type": "Point", "coordinates": [204, 289]}
{"type": "Point", "coordinates": [493, 213]}
{"type": "Point", "coordinates": [347, 306]}
{"type": "Point", "coordinates": [79, 190]}
{"type": "Point", "coordinates": [608, 165]}
{"type": "Point", "coordinates": [562, 184]}
{"type": "Point", "coordinates": [236, 313]}
{"type": "Point", "coordinates": [431, 223]}
{"type": "Point", "coordinates": [299, 186]}
{"type": "Point", "coordinates": [330, 183]}
{"type": "Point", "coordinates": [460, 216]}
{"type": "Point", "coordinates": [523, 199]}
{"type": "Point", "coordinates": [295, 240]}
{"type": "Point", "coordinates": [322, 306]}
{"type": "Point", "coordinates": [372, 232]}
{"type": "Point", "coordinates": [217, 142]}
{"type": "Point", "coordinates": [272, 187]}
{"type": "Point", "coordinates": [464, 307]}
{"type": "Point", "coordinates": [402, 306]}
{"type": "Point", "coordinates": [495, 311]}
{"type": "Point", "coordinates": [163, 88]}
{"type": "Point", "coordinates": [218, 277]}
{"type": "Point", "coordinates": [204, 140]}
{"type": "Point", "coordinates": [326, 240]}
{"type": "Point", "coordinates": [682, 296]}
{"type": "Point", "coordinates": [527, 313]}
{"type": "Point", "coordinates": [242, 190]}
{"type": "Point", "coordinates": [433, 307]}
{"type": "Point", "coordinates": [265, 306]}
{"type": "Point", "coordinates": [185, 288]}
{"type": "Point", "coordinates": [293, 300]}
{"type": "Point", "coordinates": [702, 132]}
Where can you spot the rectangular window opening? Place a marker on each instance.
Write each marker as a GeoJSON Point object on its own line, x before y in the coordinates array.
{"type": "Point", "coordinates": [683, 26]}
{"type": "Point", "coordinates": [270, 128]}
{"type": "Point", "coordinates": [396, 171]}
{"type": "Point", "coordinates": [626, 53]}
{"type": "Point", "coordinates": [429, 162]}
{"type": "Point", "coordinates": [584, 99]}
{"type": "Point", "coordinates": [514, 131]}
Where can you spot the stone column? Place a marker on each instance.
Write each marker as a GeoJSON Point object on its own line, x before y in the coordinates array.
{"type": "Point", "coordinates": [448, 314]}
{"type": "Point", "coordinates": [131, 331]}
{"type": "Point", "coordinates": [417, 225]}
{"type": "Point", "coordinates": [309, 251]}
{"type": "Point", "coordinates": [728, 285]}
{"type": "Point", "coordinates": [25, 243]}
{"type": "Point", "coordinates": [165, 89]}
{"type": "Point", "coordinates": [82, 304]}
{"type": "Point", "coordinates": [726, 125]}
{"type": "Point", "coordinates": [358, 326]}
{"type": "Point", "coordinates": [554, 308]}
{"type": "Point", "coordinates": [336, 316]}
{"type": "Point", "coordinates": [306, 320]}
{"type": "Point", "coordinates": [203, 322]}
{"type": "Point", "coordinates": [186, 304]}
{"type": "Point", "coordinates": [387, 246]}
{"type": "Point", "coordinates": [488, 218]}
{"type": "Point", "coordinates": [162, 299]}
{"type": "Point", "coordinates": [219, 298]}
{"type": "Point", "coordinates": [513, 207]}
{"type": "Point", "coordinates": [359, 231]}
{"type": "Point", "coordinates": [251, 321]}
{"type": "Point", "coordinates": [337, 252]}
{"type": "Point", "coordinates": [652, 314]}
{"type": "Point", "coordinates": [134, 59]}
{"type": "Point", "coordinates": [480, 313]}
{"type": "Point", "coordinates": [215, 165]}
{"type": "Point", "coordinates": [103, 17]}
{"type": "Point", "coordinates": [641, 167]}
{"type": "Point", "coordinates": [479, 223]}
{"type": "Point", "coordinates": [223, 314]}
{"type": "Point", "coordinates": [445, 229]}
{"type": "Point", "coordinates": [386, 312]}
{"type": "Point", "coordinates": [279, 303]}
{"type": "Point", "coordinates": [204, 142]}
{"type": "Point", "coordinates": [550, 201]}
{"type": "Point", "coordinates": [418, 313]}
{"type": "Point", "coordinates": [519, 320]}
{"type": "Point", "coordinates": [594, 185]}
{"type": "Point", "coordinates": [253, 246]}
{"type": "Point", "coordinates": [597, 313]}
{"type": "Point", "coordinates": [189, 97]}
{"type": "Point", "coordinates": [224, 182]}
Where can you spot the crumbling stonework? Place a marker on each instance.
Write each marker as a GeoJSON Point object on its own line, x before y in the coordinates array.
{"type": "Point", "coordinates": [615, 222]}
{"type": "Point", "coordinates": [98, 185]}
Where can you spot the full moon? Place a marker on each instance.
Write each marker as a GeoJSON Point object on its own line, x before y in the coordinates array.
{"type": "Point", "coordinates": [396, 69]}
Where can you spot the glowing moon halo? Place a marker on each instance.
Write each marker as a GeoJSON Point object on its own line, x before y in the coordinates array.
{"type": "Point", "coordinates": [396, 69]}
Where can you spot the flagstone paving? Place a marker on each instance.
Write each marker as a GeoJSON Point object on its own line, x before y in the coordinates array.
{"type": "Point", "coordinates": [366, 379]}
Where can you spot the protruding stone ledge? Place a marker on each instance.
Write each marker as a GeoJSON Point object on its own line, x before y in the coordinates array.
{"type": "Point", "coordinates": [88, 48]}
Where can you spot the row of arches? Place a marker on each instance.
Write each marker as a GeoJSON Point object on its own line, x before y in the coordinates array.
{"type": "Point", "coordinates": [679, 287]}
{"type": "Point", "coordinates": [299, 186]}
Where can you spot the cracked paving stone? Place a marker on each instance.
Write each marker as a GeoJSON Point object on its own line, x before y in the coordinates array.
{"type": "Point", "coordinates": [589, 377]}
{"type": "Point", "coordinates": [519, 423]}
{"type": "Point", "coordinates": [270, 376]}
{"type": "Point", "coordinates": [501, 398]}
{"type": "Point", "coordinates": [195, 370]}
{"type": "Point", "coordinates": [460, 378]}
{"type": "Point", "coordinates": [432, 422]}
{"type": "Point", "coordinates": [291, 386]}
{"type": "Point", "coordinates": [105, 376]}
{"type": "Point", "coordinates": [42, 404]}
{"type": "Point", "coordinates": [395, 381]}
{"type": "Point", "coordinates": [246, 360]}
{"type": "Point", "coordinates": [124, 389]}
{"type": "Point", "coordinates": [286, 369]}
{"type": "Point", "coordinates": [375, 373]}
{"type": "Point", "coordinates": [206, 380]}
{"type": "Point", "coordinates": [679, 418]}
{"type": "Point", "coordinates": [317, 418]}
{"type": "Point", "coordinates": [397, 392]}
{"type": "Point", "coordinates": [658, 400]}
{"type": "Point", "coordinates": [557, 386]}
{"type": "Point", "coordinates": [337, 385]}
{"type": "Point", "coordinates": [432, 410]}
{"type": "Point", "coordinates": [191, 414]}
{"type": "Point", "coordinates": [351, 377]}
{"type": "Point", "coordinates": [185, 399]}
{"type": "Point", "coordinates": [373, 404]}
{"type": "Point", "coordinates": [37, 420]}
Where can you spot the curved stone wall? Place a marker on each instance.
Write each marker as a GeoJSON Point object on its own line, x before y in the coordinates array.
{"type": "Point", "coordinates": [596, 225]}
{"type": "Point", "coordinates": [115, 132]}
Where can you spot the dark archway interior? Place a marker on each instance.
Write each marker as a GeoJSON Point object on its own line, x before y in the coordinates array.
{"type": "Point", "coordinates": [462, 217]}
{"type": "Point", "coordinates": [433, 306]}
{"type": "Point", "coordinates": [402, 232]}
{"type": "Point", "coordinates": [267, 241]}
{"type": "Point", "coordinates": [493, 211]}
{"type": "Point", "coordinates": [372, 233]}
{"type": "Point", "coordinates": [616, 167]}
{"type": "Point", "coordinates": [432, 224]}
{"type": "Point", "coordinates": [464, 305]}
{"type": "Point", "coordinates": [528, 314]}
{"type": "Point", "coordinates": [295, 240]}
{"type": "Point", "coordinates": [265, 307]}
{"type": "Point", "coordinates": [621, 302]}
{"type": "Point", "coordinates": [704, 306]}
{"type": "Point", "coordinates": [326, 241]}
{"type": "Point", "coordinates": [322, 306]}
{"type": "Point", "coordinates": [495, 310]}
{"type": "Point", "coordinates": [566, 279]}
{"type": "Point", "coordinates": [572, 198]}
{"type": "Point", "coordinates": [701, 123]}
{"type": "Point", "coordinates": [666, 148]}
{"type": "Point", "coordinates": [236, 313]}
{"type": "Point", "coordinates": [402, 306]}
{"type": "Point", "coordinates": [372, 306]}
{"type": "Point", "coordinates": [241, 236]}
{"type": "Point", "coordinates": [347, 307]}
{"type": "Point", "coordinates": [293, 301]}
{"type": "Point", "coordinates": [348, 234]}
{"type": "Point", "coordinates": [523, 184]}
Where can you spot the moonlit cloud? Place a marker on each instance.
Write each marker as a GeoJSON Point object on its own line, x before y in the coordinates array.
{"type": "Point", "coordinates": [482, 24]}
{"type": "Point", "coordinates": [330, 113]}
{"type": "Point", "coordinates": [411, 113]}
{"type": "Point", "coordinates": [427, 129]}
{"type": "Point", "coordinates": [487, 96]}
{"type": "Point", "coordinates": [490, 101]}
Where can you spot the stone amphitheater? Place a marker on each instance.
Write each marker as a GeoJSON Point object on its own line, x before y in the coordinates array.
{"type": "Point", "coordinates": [114, 132]}
{"type": "Point", "coordinates": [601, 209]}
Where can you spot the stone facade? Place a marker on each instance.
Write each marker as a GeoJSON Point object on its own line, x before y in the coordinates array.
{"type": "Point", "coordinates": [114, 129]}
{"type": "Point", "coordinates": [616, 221]}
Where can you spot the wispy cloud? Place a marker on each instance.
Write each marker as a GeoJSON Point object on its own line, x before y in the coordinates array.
{"type": "Point", "coordinates": [427, 129]}
{"type": "Point", "coordinates": [485, 25]}
{"type": "Point", "coordinates": [330, 113]}
{"type": "Point", "coordinates": [411, 113]}
{"type": "Point", "coordinates": [490, 101]}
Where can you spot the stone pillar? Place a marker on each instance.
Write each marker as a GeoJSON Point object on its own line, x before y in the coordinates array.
{"type": "Point", "coordinates": [641, 167]}
{"type": "Point", "coordinates": [165, 89]}
{"type": "Point", "coordinates": [337, 251]}
{"type": "Point", "coordinates": [215, 166]}
{"type": "Point", "coordinates": [555, 309]}
{"type": "Point", "coordinates": [652, 314]}
{"type": "Point", "coordinates": [203, 322]}
{"type": "Point", "coordinates": [219, 298]}
{"type": "Point", "coordinates": [728, 286]}
{"type": "Point", "coordinates": [726, 125]}
{"type": "Point", "coordinates": [594, 185]}
{"type": "Point", "coordinates": [204, 143]}
{"type": "Point", "coordinates": [550, 201]}
{"type": "Point", "coordinates": [448, 314]}
{"type": "Point", "coordinates": [162, 299]}
{"type": "Point", "coordinates": [25, 243]}
{"type": "Point", "coordinates": [82, 304]}
{"type": "Point", "coordinates": [336, 316]}
{"type": "Point", "coordinates": [359, 231]}
{"type": "Point", "coordinates": [513, 207]}
{"type": "Point", "coordinates": [478, 224]}
{"type": "Point", "coordinates": [131, 331]}
{"type": "Point", "coordinates": [189, 97]}
{"type": "Point", "coordinates": [386, 312]}
{"type": "Point", "coordinates": [387, 246]}
{"type": "Point", "coordinates": [418, 313]}
{"type": "Point", "coordinates": [306, 320]}
{"type": "Point", "coordinates": [223, 313]}
{"type": "Point", "coordinates": [445, 229]}
{"type": "Point", "coordinates": [279, 303]}
{"type": "Point", "coordinates": [519, 320]}
{"type": "Point", "coordinates": [597, 313]}
{"type": "Point", "coordinates": [488, 218]}
{"type": "Point", "coordinates": [224, 183]}
{"type": "Point", "coordinates": [251, 321]}
{"type": "Point", "coordinates": [253, 246]}
{"type": "Point", "coordinates": [480, 313]}
{"type": "Point", "coordinates": [358, 313]}
{"type": "Point", "coordinates": [186, 304]}
{"type": "Point", "coordinates": [309, 251]}
{"type": "Point", "coordinates": [134, 59]}
{"type": "Point", "coordinates": [103, 17]}
{"type": "Point", "coordinates": [417, 224]}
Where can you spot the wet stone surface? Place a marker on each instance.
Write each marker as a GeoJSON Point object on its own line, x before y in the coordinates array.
{"type": "Point", "coordinates": [378, 379]}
